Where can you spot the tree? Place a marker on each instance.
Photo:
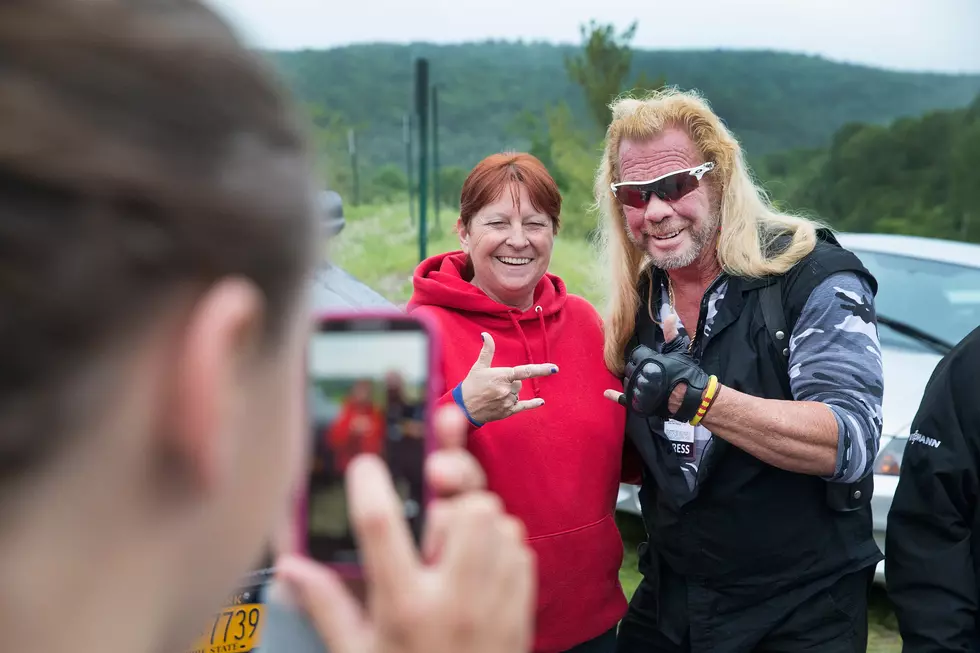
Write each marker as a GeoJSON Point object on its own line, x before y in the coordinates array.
{"type": "Point", "coordinates": [965, 190]}
{"type": "Point", "coordinates": [601, 68]}
{"type": "Point", "coordinates": [389, 182]}
{"type": "Point", "coordinates": [644, 84]}
{"type": "Point", "coordinates": [575, 157]}
{"type": "Point", "coordinates": [537, 132]}
{"type": "Point", "coordinates": [330, 145]}
{"type": "Point", "coordinates": [451, 180]}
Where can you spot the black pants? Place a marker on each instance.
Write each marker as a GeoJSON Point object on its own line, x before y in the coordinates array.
{"type": "Point", "coordinates": [833, 621]}
{"type": "Point", "coordinates": [604, 643]}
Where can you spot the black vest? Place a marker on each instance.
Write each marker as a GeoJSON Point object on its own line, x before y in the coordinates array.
{"type": "Point", "coordinates": [751, 541]}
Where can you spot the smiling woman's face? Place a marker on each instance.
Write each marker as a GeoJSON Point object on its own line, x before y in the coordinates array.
{"type": "Point", "coordinates": [509, 243]}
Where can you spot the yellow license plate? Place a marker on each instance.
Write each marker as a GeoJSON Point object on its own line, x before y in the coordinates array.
{"type": "Point", "coordinates": [236, 629]}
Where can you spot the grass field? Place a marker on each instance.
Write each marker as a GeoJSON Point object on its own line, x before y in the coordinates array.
{"type": "Point", "coordinates": [380, 247]}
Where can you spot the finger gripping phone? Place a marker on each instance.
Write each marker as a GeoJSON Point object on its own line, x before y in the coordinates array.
{"type": "Point", "coordinates": [371, 380]}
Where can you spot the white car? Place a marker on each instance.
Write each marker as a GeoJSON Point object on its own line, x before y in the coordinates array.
{"type": "Point", "coordinates": [928, 300]}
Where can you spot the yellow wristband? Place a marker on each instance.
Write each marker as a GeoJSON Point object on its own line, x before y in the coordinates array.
{"type": "Point", "coordinates": [706, 399]}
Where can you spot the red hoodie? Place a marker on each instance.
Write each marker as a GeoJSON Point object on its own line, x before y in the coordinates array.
{"type": "Point", "coordinates": [556, 467]}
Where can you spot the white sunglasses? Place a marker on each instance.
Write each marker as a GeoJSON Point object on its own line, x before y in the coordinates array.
{"type": "Point", "coordinates": [670, 187]}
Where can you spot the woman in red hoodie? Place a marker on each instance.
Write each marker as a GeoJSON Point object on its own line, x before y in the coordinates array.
{"type": "Point", "coordinates": [523, 358]}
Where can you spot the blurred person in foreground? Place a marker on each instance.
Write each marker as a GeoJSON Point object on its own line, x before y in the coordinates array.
{"type": "Point", "coordinates": [750, 436]}
{"type": "Point", "coordinates": [521, 356]}
{"type": "Point", "coordinates": [932, 544]}
{"type": "Point", "coordinates": [155, 231]}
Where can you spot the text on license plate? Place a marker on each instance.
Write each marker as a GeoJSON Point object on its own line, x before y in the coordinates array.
{"type": "Point", "coordinates": [236, 629]}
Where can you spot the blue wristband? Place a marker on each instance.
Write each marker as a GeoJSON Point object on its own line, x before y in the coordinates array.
{"type": "Point", "coordinates": [458, 398]}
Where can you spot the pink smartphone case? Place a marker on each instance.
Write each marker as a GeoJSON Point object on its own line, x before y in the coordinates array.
{"type": "Point", "coordinates": [434, 389]}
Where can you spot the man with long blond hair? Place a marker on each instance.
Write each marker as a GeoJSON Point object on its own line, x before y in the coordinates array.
{"type": "Point", "coordinates": [748, 345]}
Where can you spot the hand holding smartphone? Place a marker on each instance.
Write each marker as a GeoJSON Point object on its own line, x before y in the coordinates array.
{"type": "Point", "coordinates": [368, 391]}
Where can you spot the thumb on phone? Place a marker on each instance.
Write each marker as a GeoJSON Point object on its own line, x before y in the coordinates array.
{"type": "Point", "coordinates": [485, 359]}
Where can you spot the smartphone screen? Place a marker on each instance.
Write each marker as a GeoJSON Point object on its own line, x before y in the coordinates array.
{"type": "Point", "coordinates": [367, 394]}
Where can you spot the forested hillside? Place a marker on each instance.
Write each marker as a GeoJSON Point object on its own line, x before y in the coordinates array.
{"type": "Point", "coordinates": [862, 148]}
{"type": "Point", "coordinates": [773, 101]}
{"type": "Point", "coordinates": [917, 176]}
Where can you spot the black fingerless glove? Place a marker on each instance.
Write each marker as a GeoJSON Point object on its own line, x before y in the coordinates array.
{"type": "Point", "coordinates": [651, 377]}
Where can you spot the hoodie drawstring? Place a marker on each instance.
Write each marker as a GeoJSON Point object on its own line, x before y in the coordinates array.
{"type": "Point", "coordinates": [527, 345]}
{"type": "Point", "coordinates": [547, 347]}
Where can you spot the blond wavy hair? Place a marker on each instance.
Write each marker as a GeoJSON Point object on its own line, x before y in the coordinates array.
{"type": "Point", "coordinates": [749, 222]}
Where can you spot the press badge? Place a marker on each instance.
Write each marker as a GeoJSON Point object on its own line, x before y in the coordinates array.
{"type": "Point", "coordinates": [681, 436]}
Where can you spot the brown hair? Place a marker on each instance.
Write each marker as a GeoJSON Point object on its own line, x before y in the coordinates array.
{"type": "Point", "coordinates": [493, 174]}
{"type": "Point", "coordinates": [143, 151]}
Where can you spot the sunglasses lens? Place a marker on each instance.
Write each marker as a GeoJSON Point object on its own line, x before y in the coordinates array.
{"type": "Point", "coordinates": [669, 189]}
{"type": "Point", "coordinates": [677, 186]}
{"type": "Point", "coordinates": [632, 196]}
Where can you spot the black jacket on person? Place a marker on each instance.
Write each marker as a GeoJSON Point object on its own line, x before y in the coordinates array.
{"type": "Point", "coordinates": [726, 565]}
{"type": "Point", "coordinates": [932, 546]}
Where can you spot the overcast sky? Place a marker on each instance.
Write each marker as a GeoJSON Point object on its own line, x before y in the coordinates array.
{"type": "Point", "coordinates": [936, 35]}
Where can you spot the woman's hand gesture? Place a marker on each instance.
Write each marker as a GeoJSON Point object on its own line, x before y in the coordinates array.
{"type": "Point", "coordinates": [492, 393]}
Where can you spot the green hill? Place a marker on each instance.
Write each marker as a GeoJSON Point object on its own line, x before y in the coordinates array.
{"type": "Point", "coordinates": [773, 101]}
{"type": "Point", "coordinates": [917, 175]}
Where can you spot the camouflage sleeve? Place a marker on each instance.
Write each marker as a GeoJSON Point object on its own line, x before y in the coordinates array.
{"type": "Point", "coordinates": [835, 359]}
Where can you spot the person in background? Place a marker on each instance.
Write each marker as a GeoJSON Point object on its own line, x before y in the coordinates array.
{"type": "Point", "coordinates": [521, 355]}
{"type": "Point", "coordinates": [403, 414]}
{"type": "Point", "coordinates": [156, 222]}
{"type": "Point", "coordinates": [405, 419]}
{"type": "Point", "coordinates": [932, 542]}
{"type": "Point", "coordinates": [359, 427]}
{"type": "Point", "coordinates": [748, 343]}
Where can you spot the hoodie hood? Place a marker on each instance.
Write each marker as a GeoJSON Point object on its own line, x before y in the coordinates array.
{"type": "Point", "coordinates": [439, 281]}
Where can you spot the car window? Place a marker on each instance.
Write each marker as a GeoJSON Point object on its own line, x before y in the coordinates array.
{"type": "Point", "coordinates": [942, 299]}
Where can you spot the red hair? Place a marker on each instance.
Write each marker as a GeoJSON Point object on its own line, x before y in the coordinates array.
{"type": "Point", "coordinates": [493, 174]}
